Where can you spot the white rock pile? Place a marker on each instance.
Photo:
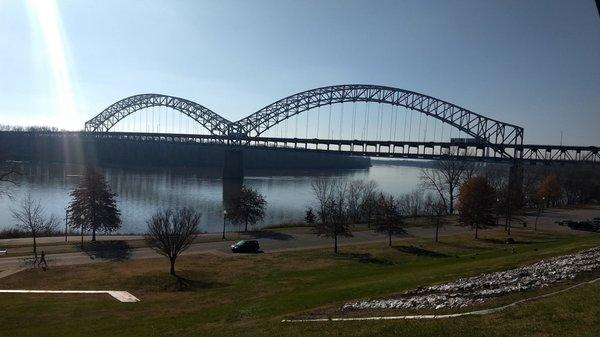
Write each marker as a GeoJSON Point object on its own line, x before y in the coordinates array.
{"type": "Point", "coordinates": [468, 291]}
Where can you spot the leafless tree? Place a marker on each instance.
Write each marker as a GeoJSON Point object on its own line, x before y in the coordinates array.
{"type": "Point", "coordinates": [8, 174]}
{"type": "Point", "coordinates": [362, 199]}
{"type": "Point", "coordinates": [413, 203]}
{"type": "Point", "coordinates": [171, 232]}
{"type": "Point", "coordinates": [333, 213]}
{"type": "Point", "coordinates": [435, 209]}
{"type": "Point", "coordinates": [445, 177]}
{"type": "Point", "coordinates": [31, 217]}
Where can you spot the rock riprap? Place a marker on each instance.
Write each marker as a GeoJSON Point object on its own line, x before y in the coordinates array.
{"type": "Point", "coordinates": [473, 290]}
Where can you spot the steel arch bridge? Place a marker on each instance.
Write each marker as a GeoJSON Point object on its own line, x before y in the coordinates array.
{"type": "Point", "coordinates": [482, 128]}
{"type": "Point", "coordinates": [491, 132]}
{"type": "Point", "coordinates": [110, 116]}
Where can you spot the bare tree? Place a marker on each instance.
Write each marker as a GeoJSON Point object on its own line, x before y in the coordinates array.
{"type": "Point", "coordinates": [435, 209]}
{"type": "Point", "coordinates": [445, 177]}
{"type": "Point", "coordinates": [170, 232]}
{"type": "Point", "coordinates": [362, 200]}
{"type": "Point", "coordinates": [413, 203]}
{"type": "Point", "coordinates": [8, 174]}
{"type": "Point", "coordinates": [332, 198]}
{"type": "Point", "coordinates": [30, 216]}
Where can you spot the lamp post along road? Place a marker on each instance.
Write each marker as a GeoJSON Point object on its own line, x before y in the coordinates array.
{"type": "Point", "coordinates": [224, 216]}
{"type": "Point", "coordinates": [66, 223]}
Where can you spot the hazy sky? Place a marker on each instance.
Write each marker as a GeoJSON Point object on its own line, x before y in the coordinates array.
{"type": "Point", "coordinates": [532, 63]}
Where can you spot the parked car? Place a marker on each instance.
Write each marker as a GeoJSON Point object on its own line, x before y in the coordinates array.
{"type": "Point", "coordinates": [583, 226]}
{"type": "Point", "coordinates": [246, 246]}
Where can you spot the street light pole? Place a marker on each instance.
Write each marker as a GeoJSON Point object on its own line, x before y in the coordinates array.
{"type": "Point", "coordinates": [66, 223]}
{"type": "Point", "coordinates": [224, 216]}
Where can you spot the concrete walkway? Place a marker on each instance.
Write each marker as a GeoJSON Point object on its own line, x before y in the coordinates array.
{"type": "Point", "coordinates": [121, 296]}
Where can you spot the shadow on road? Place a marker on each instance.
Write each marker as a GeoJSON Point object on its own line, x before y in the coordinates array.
{"type": "Point", "coordinates": [270, 235]}
{"type": "Point", "coordinates": [420, 251]}
{"type": "Point", "coordinates": [110, 250]}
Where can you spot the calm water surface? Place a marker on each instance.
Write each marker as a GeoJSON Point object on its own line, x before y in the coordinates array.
{"type": "Point", "coordinates": [142, 192]}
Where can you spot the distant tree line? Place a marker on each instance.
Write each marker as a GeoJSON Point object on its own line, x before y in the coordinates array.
{"type": "Point", "coordinates": [4, 127]}
{"type": "Point", "coordinates": [478, 192]}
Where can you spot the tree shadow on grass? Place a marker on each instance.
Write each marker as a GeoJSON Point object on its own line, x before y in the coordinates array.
{"type": "Point", "coordinates": [114, 250]}
{"type": "Point", "coordinates": [497, 241]}
{"type": "Point", "coordinates": [363, 258]}
{"type": "Point", "coordinates": [270, 235]}
{"type": "Point", "coordinates": [420, 251]}
{"type": "Point", "coordinates": [181, 283]}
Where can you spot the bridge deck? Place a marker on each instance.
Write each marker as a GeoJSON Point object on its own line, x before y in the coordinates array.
{"type": "Point", "coordinates": [532, 153]}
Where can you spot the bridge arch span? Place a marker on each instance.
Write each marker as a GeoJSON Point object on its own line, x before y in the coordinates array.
{"type": "Point", "coordinates": [110, 116]}
{"type": "Point", "coordinates": [484, 129]}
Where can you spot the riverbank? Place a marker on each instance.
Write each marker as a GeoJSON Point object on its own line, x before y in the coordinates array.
{"type": "Point", "coordinates": [286, 237]}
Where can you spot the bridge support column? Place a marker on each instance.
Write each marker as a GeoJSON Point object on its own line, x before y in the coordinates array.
{"type": "Point", "coordinates": [233, 165]}
{"type": "Point", "coordinates": [514, 199]}
{"type": "Point", "coordinates": [515, 182]}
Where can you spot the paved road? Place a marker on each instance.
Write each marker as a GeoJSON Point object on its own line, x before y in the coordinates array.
{"type": "Point", "coordinates": [274, 241]}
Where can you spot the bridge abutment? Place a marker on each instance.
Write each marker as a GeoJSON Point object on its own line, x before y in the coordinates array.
{"type": "Point", "coordinates": [233, 165]}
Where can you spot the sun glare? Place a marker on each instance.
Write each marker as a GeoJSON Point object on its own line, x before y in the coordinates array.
{"type": "Point", "coordinates": [46, 16]}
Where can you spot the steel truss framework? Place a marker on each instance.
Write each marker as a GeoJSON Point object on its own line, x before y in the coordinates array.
{"type": "Point", "coordinates": [534, 154]}
{"type": "Point", "coordinates": [104, 121]}
{"type": "Point", "coordinates": [486, 130]}
{"type": "Point", "coordinates": [480, 127]}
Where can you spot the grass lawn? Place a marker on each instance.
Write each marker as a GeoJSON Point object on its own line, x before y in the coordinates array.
{"type": "Point", "coordinates": [249, 295]}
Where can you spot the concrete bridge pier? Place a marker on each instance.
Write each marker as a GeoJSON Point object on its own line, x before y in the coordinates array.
{"type": "Point", "coordinates": [233, 165]}
{"type": "Point", "coordinates": [515, 192]}
{"type": "Point", "coordinates": [515, 181]}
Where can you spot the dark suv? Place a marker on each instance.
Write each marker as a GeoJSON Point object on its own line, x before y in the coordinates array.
{"type": "Point", "coordinates": [246, 246]}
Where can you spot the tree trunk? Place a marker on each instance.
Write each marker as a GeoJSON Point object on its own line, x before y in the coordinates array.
{"type": "Point", "coordinates": [246, 226]}
{"type": "Point", "coordinates": [476, 229]}
{"type": "Point", "coordinates": [451, 201]}
{"type": "Point", "coordinates": [34, 246]}
{"type": "Point", "coordinates": [335, 250]}
{"type": "Point", "coordinates": [172, 260]}
{"type": "Point", "coordinates": [94, 234]}
{"type": "Point", "coordinates": [437, 229]}
{"type": "Point", "coordinates": [390, 236]}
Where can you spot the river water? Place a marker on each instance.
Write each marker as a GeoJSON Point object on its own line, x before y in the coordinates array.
{"type": "Point", "coordinates": [142, 192]}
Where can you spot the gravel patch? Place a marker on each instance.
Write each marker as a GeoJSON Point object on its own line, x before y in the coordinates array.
{"type": "Point", "coordinates": [474, 290]}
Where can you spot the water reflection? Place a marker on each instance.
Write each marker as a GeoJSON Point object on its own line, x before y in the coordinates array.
{"type": "Point", "coordinates": [142, 192]}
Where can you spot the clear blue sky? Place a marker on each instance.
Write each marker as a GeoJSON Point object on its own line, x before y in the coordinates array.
{"type": "Point", "coordinates": [531, 63]}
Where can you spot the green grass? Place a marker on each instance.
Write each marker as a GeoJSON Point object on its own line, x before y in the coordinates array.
{"type": "Point", "coordinates": [249, 295]}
